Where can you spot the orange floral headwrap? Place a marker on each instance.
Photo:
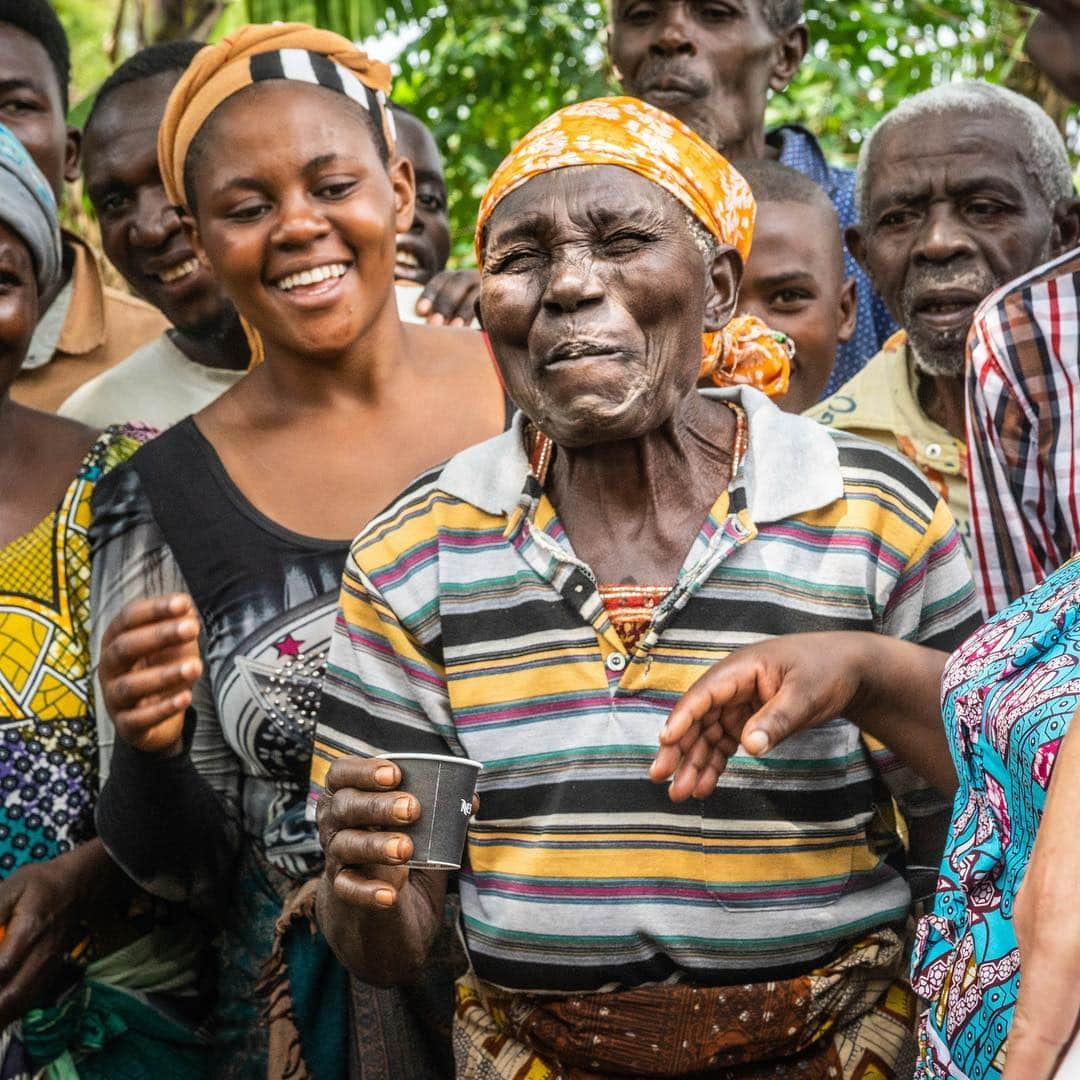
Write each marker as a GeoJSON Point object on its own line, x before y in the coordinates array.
{"type": "Point", "coordinates": [256, 53]}
{"type": "Point", "coordinates": [628, 132]}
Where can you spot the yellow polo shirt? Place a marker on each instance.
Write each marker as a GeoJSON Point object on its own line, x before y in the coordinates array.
{"type": "Point", "coordinates": [881, 403]}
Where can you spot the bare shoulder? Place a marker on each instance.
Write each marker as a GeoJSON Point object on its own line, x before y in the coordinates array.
{"type": "Point", "coordinates": [453, 351]}
{"type": "Point", "coordinates": [64, 436]}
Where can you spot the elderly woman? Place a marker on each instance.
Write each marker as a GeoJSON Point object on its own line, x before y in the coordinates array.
{"type": "Point", "coordinates": [73, 949]}
{"type": "Point", "coordinates": [540, 603]}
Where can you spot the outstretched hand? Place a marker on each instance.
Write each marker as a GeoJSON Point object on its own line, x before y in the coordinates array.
{"type": "Point", "coordinates": [149, 664]}
{"type": "Point", "coordinates": [754, 698]}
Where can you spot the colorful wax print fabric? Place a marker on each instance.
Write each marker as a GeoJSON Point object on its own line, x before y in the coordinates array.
{"type": "Point", "coordinates": [48, 745]}
{"type": "Point", "coordinates": [1009, 694]}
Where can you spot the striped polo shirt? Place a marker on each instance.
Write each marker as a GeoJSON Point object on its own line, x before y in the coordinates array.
{"type": "Point", "coordinates": [468, 625]}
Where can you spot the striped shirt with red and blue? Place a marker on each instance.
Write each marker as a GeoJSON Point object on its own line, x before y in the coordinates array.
{"type": "Point", "coordinates": [468, 625]}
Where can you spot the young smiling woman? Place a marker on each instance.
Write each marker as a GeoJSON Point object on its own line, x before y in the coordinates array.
{"type": "Point", "coordinates": [246, 509]}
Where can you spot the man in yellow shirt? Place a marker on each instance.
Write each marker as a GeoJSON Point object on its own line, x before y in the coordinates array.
{"type": "Point", "coordinates": [956, 189]}
{"type": "Point", "coordinates": [84, 327]}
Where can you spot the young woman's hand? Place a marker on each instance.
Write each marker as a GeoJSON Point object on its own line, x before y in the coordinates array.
{"type": "Point", "coordinates": [149, 663]}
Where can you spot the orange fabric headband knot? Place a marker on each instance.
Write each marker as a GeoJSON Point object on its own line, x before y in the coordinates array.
{"type": "Point", "coordinates": [257, 53]}
{"type": "Point", "coordinates": [628, 132]}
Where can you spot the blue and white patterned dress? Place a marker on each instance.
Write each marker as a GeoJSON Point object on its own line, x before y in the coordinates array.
{"type": "Point", "coordinates": [1008, 696]}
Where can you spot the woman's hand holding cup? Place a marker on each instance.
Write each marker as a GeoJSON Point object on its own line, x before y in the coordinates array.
{"type": "Point", "coordinates": [360, 815]}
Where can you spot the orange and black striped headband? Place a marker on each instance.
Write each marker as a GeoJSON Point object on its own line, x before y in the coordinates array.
{"type": "Point", "coordinates": [255, 54]}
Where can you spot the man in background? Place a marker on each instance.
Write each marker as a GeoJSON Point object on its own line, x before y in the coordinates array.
{"type": "Point", "coordinates": [186, 367]}
{"type": "Point", "coordinates": [958, 189]}
{"type": "Point", "coordinates": [85, 327]}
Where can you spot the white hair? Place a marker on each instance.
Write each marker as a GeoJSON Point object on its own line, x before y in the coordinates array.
{"type": "Point", "coordinates": [703, 239]}
{"type": "Point", "coordinates": [1046, 155]}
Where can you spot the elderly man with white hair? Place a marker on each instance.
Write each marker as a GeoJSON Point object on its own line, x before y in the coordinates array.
{"type": "Point", "coordinates": [957, 191]}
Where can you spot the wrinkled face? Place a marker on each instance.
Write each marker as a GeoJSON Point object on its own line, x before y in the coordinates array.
{"type": "Point", "coordinates": [32, 107]}
{"type": "Point", "coordinates": [953, 212]}
{"type": "Point", "coordinates": [708, 62]}
{"type": "Point", "coordinates": [422, 251]}
{"type": "Point", "coordinates": [299, 229]}
{"type": "Point", "coordinates": [18, 305]}
{"type": "Point", "coordinates": [794, 281]}
{"type": "Point", "coordinates": [140, 231]}
{"type": "Point", "coordinates": [594, 299]}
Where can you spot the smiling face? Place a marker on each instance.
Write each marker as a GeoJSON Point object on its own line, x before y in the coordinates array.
{"type": "Point", "coordinates": [18, 305]}
{"type": "Point", "coordinates": [299, 229]}
{"type": "Point", "coordinates": [32, 107]}
{"type": "Point", "coordinates": [422, 251]}
{"type": "Point", "coordinates": [710, 63]}
{"type": "Point", "coordinates": [594, 297]}
{"type": "Point", "coordinates": [953, 211]}
{"type": "Point", "coordinates": [794, 282]}
{"type": "Point", "coordinates": [140, 232]}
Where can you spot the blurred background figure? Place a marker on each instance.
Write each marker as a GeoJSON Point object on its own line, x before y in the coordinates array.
{"type": "Point", "coordinates": [205, 350]}
{"type": "Point", "coordinates": [83, 326]}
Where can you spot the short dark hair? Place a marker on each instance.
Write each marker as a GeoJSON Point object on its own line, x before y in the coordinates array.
{"type": "Point", "coordinates": [167, 56]}
{"type": "Point", "coordinates": [772, 182]}
{"type": "Point", "coordinates": [782, 15]}
{"type": "Point", "coordinates": [37, 18]}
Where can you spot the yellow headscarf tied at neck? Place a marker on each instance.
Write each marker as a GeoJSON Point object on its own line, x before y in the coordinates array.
{"type": "Point", "coordinates": [628, 132]}
{"type": "Point", "coordinates": [254, 54]}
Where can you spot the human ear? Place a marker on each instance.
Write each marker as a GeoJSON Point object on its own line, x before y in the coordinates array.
{"type": "Point", "coordinates": [856, 243]}
{"type": "Point", "coordinates": [791, 47]}
{"type": "Point", "coordinates": [1065, 234]}
{"type": "Point", "coordinates": [403, 181]}
{"type": "Point", "coordinates": [849, 310]}
{"type": "Point", "coordinates": [722, 288]}
{"type": "Point", "coordinates": [72, 153]}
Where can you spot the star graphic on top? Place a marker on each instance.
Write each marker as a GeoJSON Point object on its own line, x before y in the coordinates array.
{"type": "Point", "coordinates": [288, 646]}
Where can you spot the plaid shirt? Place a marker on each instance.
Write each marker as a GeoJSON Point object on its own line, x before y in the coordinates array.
{"type": "Point", "coordinates": [1024, 430]}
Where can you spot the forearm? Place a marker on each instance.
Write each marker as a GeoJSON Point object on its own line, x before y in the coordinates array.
{"type": "Point", "coordinates": [385, 948]}
{"type": "Point", "coordinates": [899, 703]}
{"type": "Point", "coordinates": [167, 827]}
{"type": "Point", "coordinates": [99, 884]}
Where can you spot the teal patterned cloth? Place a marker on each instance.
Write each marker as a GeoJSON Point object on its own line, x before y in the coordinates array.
{"type": "Point", "coordinates": [1008, 694]}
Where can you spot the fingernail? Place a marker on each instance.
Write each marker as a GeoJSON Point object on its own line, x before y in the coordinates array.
{"type": "Point", "coordinates": [457, 322]}
{"type": "Point", "coordinates": [384, 897]}
{"type": "Point", "coordinates": [395, 849]}
{"type": "Point", "coordinates": [187, 627]}
{"type": "Point", "coordinates": [436, 320]}
{"type": "Point", "coordinates": [403, 808]}
{"type": "Point", "coordinates": [179, 701]}
{"type": "Point", "coordinates": [177, 604]}
{"type": "Point", "coordinates": [423, 307]}
{"type": "Point", "coordinates": [189, 669]}
{"type": "Point", "coordinates": [756, 742]}
{"type": "Point", "coordinates": [386, 775]}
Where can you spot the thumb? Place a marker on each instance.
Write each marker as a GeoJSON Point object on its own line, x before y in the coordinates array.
{"type": "Point", "coordinates": [790, 711]}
